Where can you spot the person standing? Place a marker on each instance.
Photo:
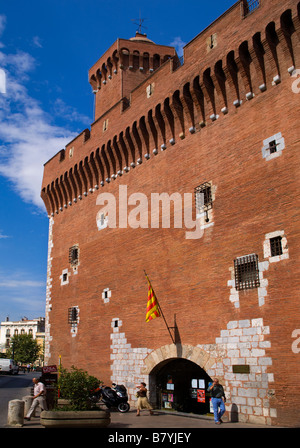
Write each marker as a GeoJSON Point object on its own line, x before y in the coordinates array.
{"type": "Point", "coordinates": [218, 400]}
{"type": "Point", "coordinates": [143, 402]}
{"type": "Point", "coordinates": [39, 398]}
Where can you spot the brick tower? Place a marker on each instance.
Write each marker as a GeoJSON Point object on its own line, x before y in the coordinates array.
{"type": "Point", "coordinates": [212, 145]}
{"type": "Point", "coordinates": [125, 65]}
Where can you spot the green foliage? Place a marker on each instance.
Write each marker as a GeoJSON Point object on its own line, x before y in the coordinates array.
{"type": "Point", "coordinates": [76, 386]}
{"type": "Point", "coordinates": [23, 349]}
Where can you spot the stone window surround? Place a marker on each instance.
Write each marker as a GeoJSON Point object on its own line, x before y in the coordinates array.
{"type": "Point", "coordinates": [280, 145]}
{"type": "Point", "coordinates": [106, 295]}
{"type": "Point", "coordinates": [267, 247]}
{"type": "Point", "coordinates": [102, 220]}
{"type": "Point", "coordinates": [63, 274]}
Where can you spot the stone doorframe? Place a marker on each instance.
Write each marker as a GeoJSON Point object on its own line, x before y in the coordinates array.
{"type": "Point", "coordinates": [174, 351]}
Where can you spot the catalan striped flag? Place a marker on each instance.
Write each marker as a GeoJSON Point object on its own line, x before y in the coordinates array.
{"type": "Point", "coordinates": [152, 303]}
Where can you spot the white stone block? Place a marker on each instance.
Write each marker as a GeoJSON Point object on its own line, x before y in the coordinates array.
{"type": "Point", "coordinates": [265, 361]}
{"type": "Point", "coordinates": [247, 392]}
{"type": "Point", "coordinates": [257, 322]}
{"type": "Point", "coordinates": [232, 324]}
{"type": "Point", "coordinates": [244, 323]}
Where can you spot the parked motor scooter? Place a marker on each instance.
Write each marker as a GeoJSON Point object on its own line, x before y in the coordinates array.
{"type": "Point", "coordinates": [115, 397]}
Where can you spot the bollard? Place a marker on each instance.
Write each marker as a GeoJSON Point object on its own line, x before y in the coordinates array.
{"type": "Point", "coordinates": [15, 415]}
{"type": "Point", "coordinates": [28, 399]}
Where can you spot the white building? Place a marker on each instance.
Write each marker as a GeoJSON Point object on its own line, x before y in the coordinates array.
{"type": "Point", "coordinates": [8, 329]}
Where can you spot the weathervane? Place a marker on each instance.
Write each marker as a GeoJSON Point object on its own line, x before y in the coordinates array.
{"type": "Point", "coordinates": [139, 24]}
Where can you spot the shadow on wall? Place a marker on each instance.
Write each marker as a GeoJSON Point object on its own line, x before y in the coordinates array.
{"type": "Point", "coordinates": [234, 413]}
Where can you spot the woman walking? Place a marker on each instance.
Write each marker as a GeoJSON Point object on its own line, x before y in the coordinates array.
{"type": "Point", "coordinates": [143, 402]}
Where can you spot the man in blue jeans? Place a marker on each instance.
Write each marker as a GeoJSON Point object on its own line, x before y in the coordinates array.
{"type": "Point", "coordinates": [218, 400]}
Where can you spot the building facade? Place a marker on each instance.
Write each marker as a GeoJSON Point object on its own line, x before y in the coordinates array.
{"type": "Point", "coordinates": [35, 327]}
{"type": "Point", "coordinates": [189, 172]}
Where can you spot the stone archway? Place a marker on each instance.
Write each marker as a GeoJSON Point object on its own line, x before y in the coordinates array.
{"type": "Point", "coordinates": [195, 354]}
{"type": "Point", "coordinates": [167, 355]}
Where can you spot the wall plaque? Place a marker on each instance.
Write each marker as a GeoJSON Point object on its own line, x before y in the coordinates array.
{"type": "Point", "coordinates": [241, 368]}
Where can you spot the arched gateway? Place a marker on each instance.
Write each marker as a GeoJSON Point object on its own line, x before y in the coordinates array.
{"type": "Point", "coordinates": [178, 378]}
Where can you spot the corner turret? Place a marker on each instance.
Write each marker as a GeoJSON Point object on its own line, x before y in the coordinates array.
{"type": "Point", "coordinates": [126, 64]}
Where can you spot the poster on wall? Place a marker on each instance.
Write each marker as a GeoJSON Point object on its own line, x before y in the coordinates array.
{"type": "Point", "coordinates": [193, 393]}
{"type": "Point", "coordinates": [201, 384]}
{"type": "Point", "coordinates": [201, 395]}
{"type": "Point", "coordinates": [164, 397]}
{"type": "Point", "coordinates": [170, 397]}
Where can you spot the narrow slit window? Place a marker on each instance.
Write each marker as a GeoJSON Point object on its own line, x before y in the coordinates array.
{"type": "Point", "coordinates": [246, 272]}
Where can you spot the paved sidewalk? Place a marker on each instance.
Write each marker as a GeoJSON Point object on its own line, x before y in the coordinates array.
{"type": "Point", "coordinates": [169, 420]}
{"type": "Point", "coordinates": [129, 420]}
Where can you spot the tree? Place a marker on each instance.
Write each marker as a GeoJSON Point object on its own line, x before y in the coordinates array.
{"type": "Point", "coordinates": [24, 349]}
{"type": "Point", "coordinates": [76, 386]}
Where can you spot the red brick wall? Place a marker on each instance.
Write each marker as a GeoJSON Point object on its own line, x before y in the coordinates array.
{"type": "Point", "coordinates": [253, 197]}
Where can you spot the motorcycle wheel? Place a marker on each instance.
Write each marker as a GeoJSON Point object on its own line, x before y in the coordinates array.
{"type": "Point", "coordinates": [123, 407]}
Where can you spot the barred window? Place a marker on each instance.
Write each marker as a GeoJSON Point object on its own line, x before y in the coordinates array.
{"type": "Point", "coordinates": [203, 197]}
{"type": "Point", "coordinates": [248, 6]}
{"type": "Point", "coordinates": [246, 272]}
{"type": "Point", "coordinates": [73, 315]}
{"type": "Point", "coordinates": [73, 255]}
{"type": "Point", "coordinates": [276, 246]}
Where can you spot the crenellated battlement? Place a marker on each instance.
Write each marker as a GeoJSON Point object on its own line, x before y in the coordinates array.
{"type": "Point", "coordinates": [159, 114]}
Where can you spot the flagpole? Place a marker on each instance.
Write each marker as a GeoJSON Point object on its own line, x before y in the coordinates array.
{"type": "Point", "coordinates": [161, 310]}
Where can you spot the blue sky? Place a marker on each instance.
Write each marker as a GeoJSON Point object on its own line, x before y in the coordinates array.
{"type": "Point", "coordinates": [46, 50]}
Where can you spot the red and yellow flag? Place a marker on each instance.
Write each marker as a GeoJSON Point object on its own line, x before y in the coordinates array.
{"type": "Point", "coordinates": [152, 304]}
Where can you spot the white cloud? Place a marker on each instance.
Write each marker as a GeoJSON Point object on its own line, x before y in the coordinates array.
{"type": "Point", "coordinates": [37, 42]}
{"type": "Point", "coordinates": [178, 44]}
{"type": "Point", "coordinates": [3, 236]}
{"type": "Point", "coordinates": [61, 109]}
{"type": "Point", "coordinates": [12, 283]}
{"type": "Point", "coordinates": [20, 296]}
{"type": "Point", "coordinates": [28, 137]}
{"type": "Point", "coordinates": [29, 141]}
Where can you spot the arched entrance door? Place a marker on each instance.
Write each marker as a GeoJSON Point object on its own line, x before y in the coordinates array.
{"type": "Point", "coordinates": [181, 385]}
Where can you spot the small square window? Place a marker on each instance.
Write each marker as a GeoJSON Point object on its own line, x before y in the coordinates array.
{"type": "Point", "coordinates": [276, 246]}
{"type": "Point", "coordinates": [64, 277]}
{"type": "Point", "coordinates": [246, 272]}
{"type": "Point", "coordinates": [272, 146]}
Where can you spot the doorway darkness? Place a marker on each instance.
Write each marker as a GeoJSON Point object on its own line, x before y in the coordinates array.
{"type": "Point", "coordinates": [181, 385]}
